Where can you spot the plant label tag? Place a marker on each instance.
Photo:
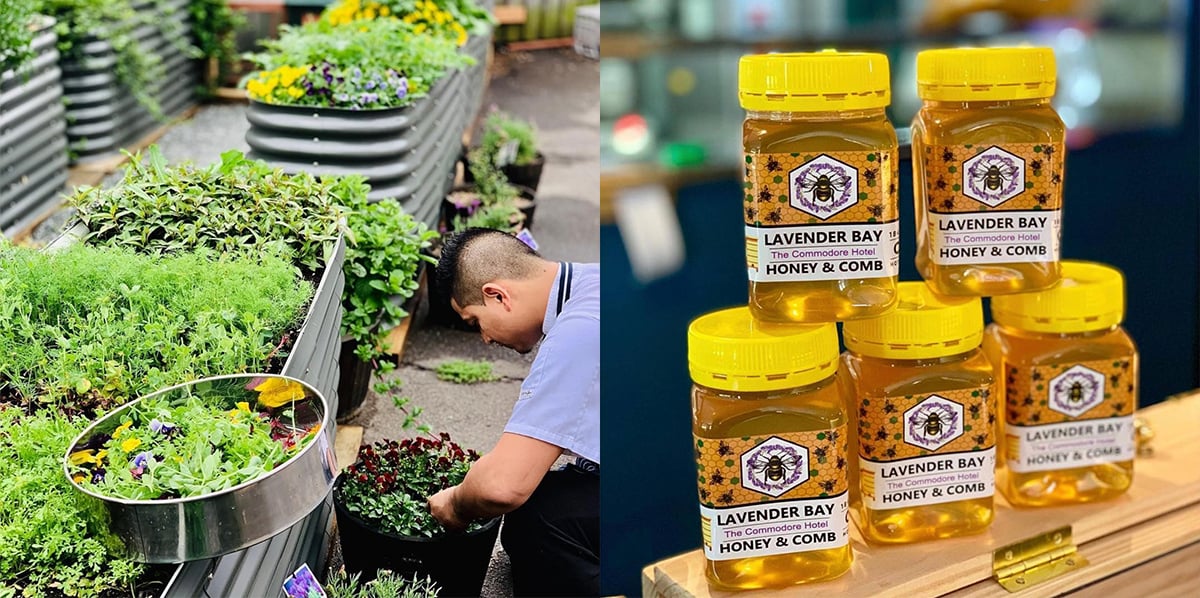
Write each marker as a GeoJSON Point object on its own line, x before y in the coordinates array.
{"type": "Point", "coordinates": [302, 584]}
{"type": "Point", "coordinates": [507, 153]}
{"type": "Point", "coordinates": [528, 239]}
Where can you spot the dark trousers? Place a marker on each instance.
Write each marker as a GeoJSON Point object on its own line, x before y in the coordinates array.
{"type": "Point", "coordinates": [553, 540]}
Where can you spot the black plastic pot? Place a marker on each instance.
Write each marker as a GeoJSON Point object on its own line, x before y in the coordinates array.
{"type": "Point", "coordinates": [354, 381]}
{"type": "Point", "coordinates": [527, 203]}
{"type": "Point", "coordinates": [528, 175]}
{"type": "Point", "coordinates": [450, 210]}
{"type": "Point", "coordinates": [457, 562]}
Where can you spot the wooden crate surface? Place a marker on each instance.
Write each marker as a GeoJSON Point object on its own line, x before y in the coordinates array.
{"type": "Point", "coordinates": [1159, 514]}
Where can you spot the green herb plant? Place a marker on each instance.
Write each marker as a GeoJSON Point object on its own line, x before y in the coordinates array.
{"type": "Point", "coordinates": [388, 486]}
{"type": "Point", "coordinates": [461, 371]}
{"type": "Point", "coordinates": [236, 206]}
{"type": "Point", "coordinates": [497, 197]}
{"type": "Point", "coordinates": [16, 34]}
{"type": "Point", "coordinates": [387, 584]}
{"type": "Point", "coordinates": [86, 328]}
{"type": "Point", "coordinates": [500, 130]}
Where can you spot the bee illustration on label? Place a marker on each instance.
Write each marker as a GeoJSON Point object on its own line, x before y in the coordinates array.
{"type": "Point", "coordinates": [1042, 198]}
{"type": "Point", "coordinates": [948, 204]}
{"type": "Point", "coordinates": [974, 409]}
{"type": "Point", "coordinates": [940, 184]}
{"type": "Point", "coordinates": [827, 485]}
{"type": "Point", "coordinates": [703, 494]}
{"type": "Point", "coordinates": [947, 155]}
{"type": "Point", "coordinates": [820, 452]}
{"type": "Point", "coordinates": [841, 463]}
{"type": "Point", "coordinates": [751, 212]}
{"type": "Point", "coordinates": [881, 434]}
{"type": "Point", "coordinates": [980, 438]}
{"type": "Point", "coordinates": [889, 407]}
{"type": "Point", "coordinates": [1036, 165]}
{"type": "Point", "coordinates": [773, 467]}
{"type": "Point", "coordinates": [1048, 150]}
{"type": "Point", "coordinates": [1075, 392]}
{"type": "Point", "coordinates": [933, 423]}
{"type": "Point", "coordinates": [890, 453]}
{"type": "Point", "coordinates": [1056, 178]}
{"type": "Point", "coordinates": [833, 436]}
{"type": "Point", "coordinates": [823, 186]}
{"type": "Point", "coordinates": [773, 165]}
{"type": "Point", "coordinates": [764, 195]}
{"type": "Point", "coordinates": [726, 498]}
{"type": "Point", "coordinates": [716, 479]}
{"type": "Point", "coordinates": [774, 217]}
{"type": "Point", "coordinates": [869, 175]}
{"type": "Point", "coordinates": [993, 174]}
{"type": "Point", "coordinates": [876, 211]}
{"type": "Point", "coordinates": [724, 450]}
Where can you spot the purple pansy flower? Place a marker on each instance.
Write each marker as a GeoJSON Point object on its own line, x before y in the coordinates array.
{"type": "Point", "coordinates": [161, 427]}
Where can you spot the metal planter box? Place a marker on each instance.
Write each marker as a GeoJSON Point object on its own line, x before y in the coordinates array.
{"type": "Point", "coordinates": [33, 141]}
{"type": "Point", "coordinates": [260, 569]}
{"type": "Point", "coordinates": [102, 115]}
{"type": "Point", "coordinates": [398, 149]}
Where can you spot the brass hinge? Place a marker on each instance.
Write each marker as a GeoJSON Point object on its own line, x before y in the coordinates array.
{"type": "Point", "coordinates": [1034, 560]}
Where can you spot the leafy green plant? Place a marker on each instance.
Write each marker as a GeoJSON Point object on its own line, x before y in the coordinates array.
{"type": "Point", "coordinates": [345, 65]}
{"type": "Point", "coordinates": [16, 35]}
{"type": "Point", "coordinates": [237, 206]}
{"type": "Point", "coordinates": [86, 328]}
{"type": "Point", "coordinates": [53, 542]}
{"type": "Point", "coordinates": [496, 206]}
{"type": "Point", "coordinates": [508, 140]}
{"type": "Point", "coordinates": [382, 265]}
{"type": "Point", "coordinates": [461, 371]}
{"type": "Point", "coordinates": [115, 21]}
{"type": "Point", "coordinates": [214, 23]}
{"type": "Point", "coordinates": [386, 584]}
{"type": "Point", "coordinates": [196, 440]}
{"type": "Point", "coordinates": [389, 484]}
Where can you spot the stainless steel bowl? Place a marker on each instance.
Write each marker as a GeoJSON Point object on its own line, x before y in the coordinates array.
{"type": "Point", "coordinates": [185, 529]}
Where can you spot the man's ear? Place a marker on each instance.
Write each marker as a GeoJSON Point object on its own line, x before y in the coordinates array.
{"type": "Point", "coordinates": [496, 292]}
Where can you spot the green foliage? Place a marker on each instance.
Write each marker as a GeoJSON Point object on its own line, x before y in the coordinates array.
{"type": "Point", "coordinates": [381, 269]}
{"type": "Point", "coordinates": [497, 197]}
{"type": "Point", "coordinates": [461, 371]}
{"type": "Point", "coordinates": [501, 131]}
{"type": "Point", "coordinates": [388, 486]}
{"type": "Point", "coordinates": [181, 445]}
{"type": "Point", "coordinates": [238, 206]}
{"type": "Point", "coordinates": [53, 541]}
{"type": "Point", "coordinates": [15, 34]}
{"type": "Point", "coordinates": [386, 584]}
{"type": "Point", "coordinates": [116, 21]}
{"type": "Point", "coordinates": [87, 328]}
{"type": "Point", "coordinates": [214, 23]}
{"type": "Point", "coordinates": [361, 50]}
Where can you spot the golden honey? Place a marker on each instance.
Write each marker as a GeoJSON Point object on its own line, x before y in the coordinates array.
{"type": "Point", "coordinates": [1068, 378]}
{"type": "Point", "coordinates": [925, 440]}
{"type": "Point", "coordinates": [987, 171]}
{"type": "Point", "coordinates": [770, 440]}
{"type": "Point", "coordinates": [821, 216]}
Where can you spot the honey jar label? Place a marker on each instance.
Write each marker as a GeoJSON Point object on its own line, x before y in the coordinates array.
{"type": "Point", "coordinates": [990, 204]}
{"type": "Point", "coordinates": [1069, 415]}
{"type": "Point", "coordinates": [821, 216]}
{"type": "Point", "coordinates": [927, 449]}
{"type": "Point", "coordinates": [773, 494]}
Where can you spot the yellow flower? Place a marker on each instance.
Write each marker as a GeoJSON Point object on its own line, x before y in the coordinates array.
{"type": "Point", "coordinates": [121, 429]}
{"type": "Point", "coordinates": [100, 456]}
{"type": "Point", "coordinates": [420, 28]}
{"type": "Point", "coordinates": [384, 11]}
{"type": "Point", "coordinates": [81, 457]}
{"type": "Point", "coordinates": [289, 74]}
{"type": "Point", "coordinates": [295, 92]}
{"type": "Point", "coordinates": [243, 406]}
{"type": "Point", "coordinates": [130, 444]}
{"type": "Point", "coordinates": [278, 391]}
{"type": "Point", "coordinates": [79, 478]}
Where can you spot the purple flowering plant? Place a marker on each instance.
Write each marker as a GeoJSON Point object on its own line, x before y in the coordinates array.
{"type": "Point", "coordinates": [388, 486]}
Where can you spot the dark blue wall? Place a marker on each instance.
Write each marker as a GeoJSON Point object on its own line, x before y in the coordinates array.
{"type": "Point", "coordinates": [1131, 201]}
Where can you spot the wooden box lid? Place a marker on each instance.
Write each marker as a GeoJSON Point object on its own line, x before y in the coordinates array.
{"type": "Point", "coordinates": [1159, 514]}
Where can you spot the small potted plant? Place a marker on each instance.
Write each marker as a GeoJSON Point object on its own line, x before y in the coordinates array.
{"type": "Point", "coordinates": [489, 201]}
{"type": "Point", "coordinates": [512, 146]}
{"type": "Point", "coordinates": [384, 521]}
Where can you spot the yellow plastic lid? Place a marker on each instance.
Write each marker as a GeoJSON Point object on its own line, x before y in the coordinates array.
{"type": "Point", "coordinates": [965, 74]}
{"type": "Point", "coordinates": [729, 350]}
{"type": "Point", "coordinates": [922, 326]}
{"type": "Point", "coordinates": [826, 81]}
{"type": "Point", "coordinates": [1089, 296]}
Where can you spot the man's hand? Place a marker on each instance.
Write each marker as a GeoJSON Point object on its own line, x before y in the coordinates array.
{"type": "Point", "coordinates": [441, 505]}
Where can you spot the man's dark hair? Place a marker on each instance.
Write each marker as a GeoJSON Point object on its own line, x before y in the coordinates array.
{"type": "Point", "coordinates": [477, 256]}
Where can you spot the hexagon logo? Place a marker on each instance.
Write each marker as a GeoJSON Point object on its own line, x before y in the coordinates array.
{"type": "Point", "coordinates": [993, 177]}
{"type": "Point", "coordinates": [1076, 390]}
{"type": "Point", "coordinates": [823, 186]}
{"type": "Point", "coordinates": [774, 466]}
{"type": "Point", "coordinates": [933, 423]}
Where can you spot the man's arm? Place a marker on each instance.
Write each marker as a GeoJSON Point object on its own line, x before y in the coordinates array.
{"type": "Point", "coordinates": [498, 483]}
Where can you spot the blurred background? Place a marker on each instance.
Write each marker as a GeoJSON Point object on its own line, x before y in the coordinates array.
{"type": "Point", "coordinates": [671, 227]}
